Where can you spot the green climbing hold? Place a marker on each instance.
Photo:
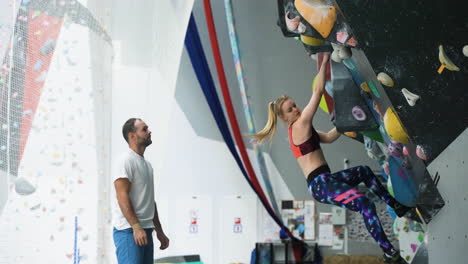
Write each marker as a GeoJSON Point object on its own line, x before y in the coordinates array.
{"type": "Point", "coordinates": [373, 134]}
{"type": "Point", "coordinates": [421, 238]}
{"type": "Point", "coordinates": [374, 89]}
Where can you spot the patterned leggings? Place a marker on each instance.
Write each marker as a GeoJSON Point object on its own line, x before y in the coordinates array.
{"type": "Point", "coordinates": [339, 189]}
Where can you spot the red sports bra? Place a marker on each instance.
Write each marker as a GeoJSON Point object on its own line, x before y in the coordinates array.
{"type": "Point", "coordinates": [310, 145]}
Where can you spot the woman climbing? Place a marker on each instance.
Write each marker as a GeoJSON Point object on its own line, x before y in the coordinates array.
{"type": "Point", "coordinates": [331, 188]}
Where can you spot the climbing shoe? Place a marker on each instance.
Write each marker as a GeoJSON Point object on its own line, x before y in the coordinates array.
{"type": "Point", "coordinates": [395, 259]}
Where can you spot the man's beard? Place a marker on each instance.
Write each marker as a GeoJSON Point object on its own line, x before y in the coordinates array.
{"type": "Point", "coordinates": [146, 142]}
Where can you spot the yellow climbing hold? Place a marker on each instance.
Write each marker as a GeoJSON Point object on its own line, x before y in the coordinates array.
{"type": "Point", "coordinates": [446, 62]}
{"type": "Point", "coordinates": [323, 102]}
{"type": "Point", "coordinates": [311, 41]}
{"type": "Point", "coordinates": [394, 127]}
{"type": "Point", "coordinates": [365, 87]}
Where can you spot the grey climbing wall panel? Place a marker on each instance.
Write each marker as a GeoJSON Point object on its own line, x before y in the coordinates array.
{"type": "Point", "coordinates": [448, 233]}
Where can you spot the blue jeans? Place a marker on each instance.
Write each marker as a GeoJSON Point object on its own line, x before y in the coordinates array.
{"type": "Point", "coordinates": [128, 252]}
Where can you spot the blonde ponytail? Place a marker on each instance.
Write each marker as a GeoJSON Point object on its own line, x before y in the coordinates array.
{"type": "Point", "coordinates": [274, 109]}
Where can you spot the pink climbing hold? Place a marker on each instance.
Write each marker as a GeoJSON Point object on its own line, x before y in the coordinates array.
{"type": "Point", "coordinates": [402, 173]}
{"type": "Point", "coordinates": [292, 23]}
{"type": "Point", "coordinates": [342, 36]}
{"type": "Point", "coordinates": [405, 151]}
{"type": "Point", "coordinates": [421, 153]}
{"type": "Point", "coordinates": [386, 168]}
{"type": "Point", "coordinates": [414, 247]}
{"type": "Point", "coordinates": [395, 148]}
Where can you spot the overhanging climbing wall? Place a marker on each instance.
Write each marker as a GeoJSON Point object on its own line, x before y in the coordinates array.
{"type": "Point", "coordinates": [402, 38]}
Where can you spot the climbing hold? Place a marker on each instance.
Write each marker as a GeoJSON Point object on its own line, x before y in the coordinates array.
{"type": "Point", "coordinates": [385, 79]}
{"type": "Point", "coordinates": [301, 29]}
{"type": "Point", "coordinates": [323, 102]}
{"type": "Point", "coordinates": [335, 56]}
{"type": "Point", "coordinates": [345, 53]}
{"type": "Point", "coordinates": [352, 42]}
{"type": "Point", "coordinates": [421, 153]}
{"type": "Point", "coordinates": [374, 89]}
{"type": "Point", "coordinates": [386, 167]}
{"type": "Point", "coordinates": [342, 36]}
{"type": "Point", "coordinates": [23, 187]}
{"type": "Point", "coordinates": [373, 149]}
{"type": "Point", "coordinates": [358, 113]}
{"type": "Point", "coordinates": [292, 23]}
{"type": "Point", "coordinates": [47, 47]}
{"type": "Point", "coordinates": [373, 134]}
{"type": "Point", "coordinates": [320, 16]}
{"type": "Point", "coordinates": [446, 62]}
{"type": "Point", "coordinates": [405, 151]}
{"type": "Point", "coordinates": [410, 97]}
{"type": "Point", "coordinates": [394, 148]}
{"type": "Point", "coordinates": [365, 87]}
{"type": "Point", "coordinates": [350, 134]}
{"type": "Point", "coordinates": [394, 127]}
{"type": "Point", "coordinates": [38, 65]}
{"type": "Point", "coordinates": [311, 41]}
{"type": "Point", "coordinates": [465, 51]}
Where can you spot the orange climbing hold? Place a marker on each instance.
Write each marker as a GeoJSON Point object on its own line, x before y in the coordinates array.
{"type": "Point", "coordinates": [319, 15]}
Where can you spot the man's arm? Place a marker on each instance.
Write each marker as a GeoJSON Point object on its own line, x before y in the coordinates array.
{"type": "Point", "coordinates": [158, 228]}
{"type": "Point", "coordinates": [330, 136]}
{"type": "Point", "coordinates": [122, 190]}
{"type": "Point", "coordinates": [157, 224]}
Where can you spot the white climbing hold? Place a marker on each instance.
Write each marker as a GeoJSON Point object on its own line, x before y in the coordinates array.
{"type": "Point", "coordinates": [465, 51]}
{"type": "Point", "coordinates": [446, 62]}
{"type": "Point", "coordinates": [410, 97]}
{"type": "Point", "coordinates": [345, 53]}
{"type": "Point", "coordinates": [301, 28]}
{"type": "Point", "coordinates": [336, 57]}
{"type": "Point", "coordinates": [23, 187]}
{"type": "Point", "coordinates": [385, 79]}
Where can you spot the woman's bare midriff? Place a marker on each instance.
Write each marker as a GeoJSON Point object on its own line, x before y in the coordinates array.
{"type": "Point", "coordinates": [311, 161]}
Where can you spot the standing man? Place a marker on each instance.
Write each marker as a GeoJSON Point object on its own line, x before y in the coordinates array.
{"type": "Point", "coordinates": [135, 214]}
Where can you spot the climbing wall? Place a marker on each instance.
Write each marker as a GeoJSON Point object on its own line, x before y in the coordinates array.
{"type": "Point", "coordinates": [402, 38]}
{"type": "Point", "coordinates": [448, 235]}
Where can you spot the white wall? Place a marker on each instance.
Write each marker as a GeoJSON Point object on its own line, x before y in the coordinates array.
{"type": "Point", "coordinates": [60, 161]}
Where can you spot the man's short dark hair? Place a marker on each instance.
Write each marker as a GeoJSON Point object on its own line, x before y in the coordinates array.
{"type": "Point", "coordinates": [128, 127]}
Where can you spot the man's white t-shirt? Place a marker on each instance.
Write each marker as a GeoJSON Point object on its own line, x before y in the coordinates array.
{"type": "Point", "coordinates": [140, 174]}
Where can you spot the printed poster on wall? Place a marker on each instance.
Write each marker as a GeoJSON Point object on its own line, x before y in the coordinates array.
{"type": "Point", "coordinates": [191, 227]}
{"type": "Point", "coordinates": [238, 234]}
{"type": "Point", "coordinates": [299, 217]}
{"type": "Point", "coordinates": [325, 229]}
